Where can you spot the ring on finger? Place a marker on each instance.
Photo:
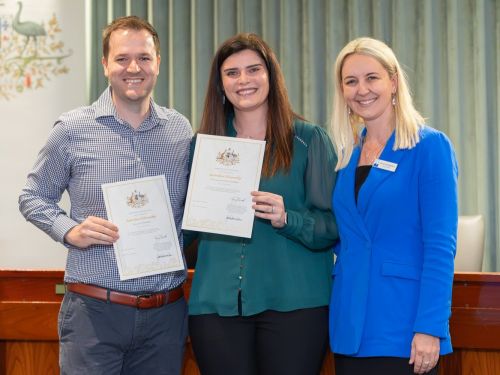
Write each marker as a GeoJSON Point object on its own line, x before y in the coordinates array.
{"type": "Point", "coordinates": [272, 209]}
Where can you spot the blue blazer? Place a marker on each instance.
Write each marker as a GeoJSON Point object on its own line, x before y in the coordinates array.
{"type": "Point", "coordinates": [394, 270]}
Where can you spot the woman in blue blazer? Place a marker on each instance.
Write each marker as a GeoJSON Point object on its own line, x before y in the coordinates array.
{"type": "Point", "coordinates": [395, 202]}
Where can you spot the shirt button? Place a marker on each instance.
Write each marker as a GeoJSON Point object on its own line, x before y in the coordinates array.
{"type": "Point", "coordinates": [242, 256]}
{"type": "Point", "coordinates": [240, 277]}
{"type": "Point", "coordinates": [138, 158]}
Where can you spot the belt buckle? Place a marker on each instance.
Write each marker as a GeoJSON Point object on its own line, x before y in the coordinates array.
{"type": "Point", "coordinates": [140, 298]}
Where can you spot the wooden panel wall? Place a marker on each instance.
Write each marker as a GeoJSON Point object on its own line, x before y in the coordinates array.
{"type": "Point", "coordinates": [28, 322]}
{"type": "Point", "coordinates": [29, 306]}
{"type": "Point", "coordinates": [29, 357]}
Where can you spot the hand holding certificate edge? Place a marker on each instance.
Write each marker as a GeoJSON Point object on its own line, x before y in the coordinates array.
{"type": "Point", "coordinates": [269, 206]}
{"type": "Point", "coordinates": [92, 231]}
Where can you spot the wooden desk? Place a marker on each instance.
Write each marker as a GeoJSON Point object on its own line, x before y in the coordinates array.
{"type": "Point", "coordinates": [474, 325]}
{"type": "Point", "coordinates": [29, 307]}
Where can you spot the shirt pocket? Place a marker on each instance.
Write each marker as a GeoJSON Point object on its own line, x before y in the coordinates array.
{"type": "Point", "coordinates": [405, 271]}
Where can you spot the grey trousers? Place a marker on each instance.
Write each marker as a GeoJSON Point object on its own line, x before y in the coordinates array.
{"type": "Point", "coordinates": [97, 337]}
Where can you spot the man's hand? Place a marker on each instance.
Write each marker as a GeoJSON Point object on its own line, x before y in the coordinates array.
{"type": "Point", "coordinates": [92, 231]}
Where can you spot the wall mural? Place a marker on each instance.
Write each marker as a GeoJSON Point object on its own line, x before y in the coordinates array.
{"type": "Point", "coordinates": [31, 52]}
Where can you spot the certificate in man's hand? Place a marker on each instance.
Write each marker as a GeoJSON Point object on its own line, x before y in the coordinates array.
{"type": "Point", "coordinates": [224, 172]}
{"type": "Point", "coordinates": [148, 243]}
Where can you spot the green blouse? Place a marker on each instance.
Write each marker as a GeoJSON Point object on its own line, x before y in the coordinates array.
{"type": "Point", "coordinates": [277, 269]}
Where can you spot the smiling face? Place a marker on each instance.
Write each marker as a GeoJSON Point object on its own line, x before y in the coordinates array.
{"type": "Point", "coordinates": [245, 80]}
{"type": "Point", "coordinates": [367, 88]}
{"type": "Point", "coordinates": [132, 66]}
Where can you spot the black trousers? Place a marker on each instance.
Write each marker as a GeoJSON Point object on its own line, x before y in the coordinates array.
{"type": "Point", "coordinates": [269, 343]}
{"type": "Point", "coordinates": [345, 365]}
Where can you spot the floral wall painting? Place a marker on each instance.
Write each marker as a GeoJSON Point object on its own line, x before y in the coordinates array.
{"type": "Point", "coordinates": [31, 50]}
{"type": "Point", "coordinates": [43, 73]}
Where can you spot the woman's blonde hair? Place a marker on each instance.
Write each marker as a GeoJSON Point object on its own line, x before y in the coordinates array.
{"type": "Point", "coordinates": [345, 125]}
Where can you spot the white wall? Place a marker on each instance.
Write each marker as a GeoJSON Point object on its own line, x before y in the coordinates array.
{"type": "Point", "coordinates": [27, 117]}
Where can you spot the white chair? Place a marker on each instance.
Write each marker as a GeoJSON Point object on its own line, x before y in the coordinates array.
{"type": "Point", "coordinates": [470, 244]}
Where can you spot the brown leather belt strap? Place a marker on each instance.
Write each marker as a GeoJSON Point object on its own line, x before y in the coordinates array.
{"type": "Point", "coordinates": [145, 301]}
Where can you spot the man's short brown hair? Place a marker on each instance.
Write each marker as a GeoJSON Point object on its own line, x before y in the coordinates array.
{"type": "Point", "coordinates": [128, 23]}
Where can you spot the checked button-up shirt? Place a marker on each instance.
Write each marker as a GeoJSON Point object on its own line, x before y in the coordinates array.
{"type": "Point", "coordinates": [88, 147]}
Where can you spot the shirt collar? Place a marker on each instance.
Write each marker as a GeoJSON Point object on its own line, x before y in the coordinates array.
{"type": "Point", "coordinates": [104, 107]}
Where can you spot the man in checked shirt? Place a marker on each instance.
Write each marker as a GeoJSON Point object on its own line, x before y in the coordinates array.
{"type": "Point", "coordinates": [108, 326]}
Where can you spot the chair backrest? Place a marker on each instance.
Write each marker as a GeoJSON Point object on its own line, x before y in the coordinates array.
{"type": "Point", "coordinates": [470, 244]}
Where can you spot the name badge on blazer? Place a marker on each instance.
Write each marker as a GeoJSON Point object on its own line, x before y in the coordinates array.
{"type": "Point", "coordinates": [385, 165]}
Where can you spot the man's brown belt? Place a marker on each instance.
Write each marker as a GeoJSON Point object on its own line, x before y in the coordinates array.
{"type": "Point", "coordinates": [144, 301]}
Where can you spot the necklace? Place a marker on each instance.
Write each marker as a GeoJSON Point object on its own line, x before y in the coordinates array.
{"type": "Point", "coordinates": [247, 134]}
{"type": "Point", "coordinates": [369, 153]}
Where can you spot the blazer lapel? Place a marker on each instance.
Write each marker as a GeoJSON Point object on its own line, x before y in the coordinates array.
{"type": "Point", "coordinates": [346, 192]}
{"type": "Point", "coordinates": [377, 176]}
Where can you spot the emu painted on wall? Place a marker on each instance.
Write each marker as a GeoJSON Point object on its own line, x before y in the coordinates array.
{"type": "Point", "coordinates": [31, 52]}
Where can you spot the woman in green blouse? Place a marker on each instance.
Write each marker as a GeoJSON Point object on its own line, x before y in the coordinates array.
{"type": "Point", "coordinates": [259, 305]}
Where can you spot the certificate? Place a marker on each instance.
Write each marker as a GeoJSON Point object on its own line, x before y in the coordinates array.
{"type": "Point", "coordinates": [148, 243]}
{"type": "Point", "coordinates": [224, 172]}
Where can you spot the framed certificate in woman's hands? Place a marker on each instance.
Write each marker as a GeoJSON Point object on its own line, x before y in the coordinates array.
{"type": "Point", "coordinates": [225, 170]}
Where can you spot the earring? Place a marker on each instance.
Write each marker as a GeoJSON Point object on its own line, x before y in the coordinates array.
{"type": "Point", "coordinates": [223, 99]}
{"type": "Point", "coordinates": [393, 100]}
{"type": "Point", "coordinates": [348, 110]}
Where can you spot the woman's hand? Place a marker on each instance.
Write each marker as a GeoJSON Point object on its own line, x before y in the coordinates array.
{"type": "Point", "coordinates": [269, 206]}
{"type": "Point", "coordinates": [424, 352]}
